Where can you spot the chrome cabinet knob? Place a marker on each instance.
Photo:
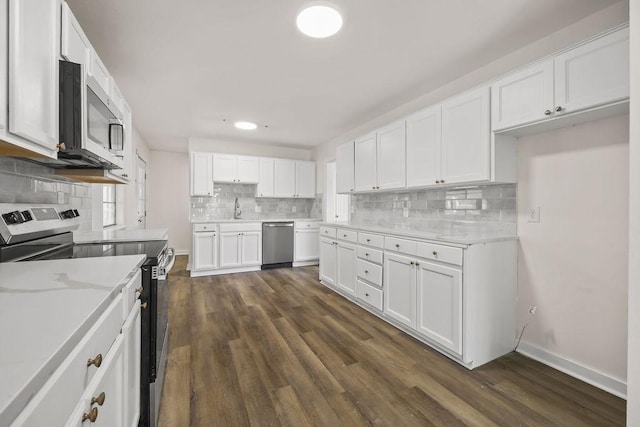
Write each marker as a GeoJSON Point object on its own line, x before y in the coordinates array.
{"type": "Point", "coordinates": [558, 109]}
{"type": "Point", "coordinates": [435, 253]}
{"type": "Point", "coordinates": [547, 112]}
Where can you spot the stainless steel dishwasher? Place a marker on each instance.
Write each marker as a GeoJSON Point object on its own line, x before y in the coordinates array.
{"type": "Point", "coordinates": [277, 244]}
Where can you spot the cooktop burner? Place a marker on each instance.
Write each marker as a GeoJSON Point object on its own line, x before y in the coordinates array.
{"type": "Point", "coordinates": [151, 249]}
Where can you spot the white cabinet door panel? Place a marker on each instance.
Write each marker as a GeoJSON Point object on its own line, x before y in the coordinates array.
{"type": "Point", "coordinates": [99, 72]}
{"type": "Point", "coordinates": [285, 178]}
{"type": "Point", "coordinates": [423, 147]}
{"type": "Point", "coordinates": [328, 261]}
{"type": "Point", "coordinates": [346, 271]}
{"type": "Point", "coordinates": [131, 379]}
{"type": "Point", "coordinates": [440, 305]}
{"type": "Point", "coordinates": [230, 247]}
{"type": "Point", "coordinates": [224, 168]}
{"type": "Point", "coordinates": [4, 82]}
{"type": "Point", "coordinates": [34, 47]}
{"type": "Point", "coordinates": [205, 248]}
{"type": "Point", "coordinates": [523, 97]}
{"type": "Point", "coordinates": [345, 163]}
{"type": "Point", "coordinates": [466, 139]}
{"type": "Point", "coordinates": [305, 180]}
{"type": "Point", "coordinates": [365, 163]}
{"type": "Point", "coordinates": [400, 289]}
{"type": "Point", "coordinates": [266, 178]}
{"type": "Point", "coordinates": [201, 174]}
{"type": "Point", "coordinates": [307, 245]}
{"type": "Point", "coordinates": [251, 248]}
{"type": "Point", "coordinates": [391, 156]}
{"type": "Point", "coordinates": [248, 170]}
{"type": "Point", "coordinates": [75, 45]}
{"type": "Point", "coordinates": [593, 74]}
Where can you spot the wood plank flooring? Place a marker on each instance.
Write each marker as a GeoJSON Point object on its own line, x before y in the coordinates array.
{"type": "Point", "coordinates": [276, 347]}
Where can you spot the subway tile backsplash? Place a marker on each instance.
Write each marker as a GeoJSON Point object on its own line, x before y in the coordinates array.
{"type": "Point", "coordinates": [25, 182]}
{"type": "Point", "coordinates": [491, 203]}
{"type": "Point", "coordinates": [220, 205]}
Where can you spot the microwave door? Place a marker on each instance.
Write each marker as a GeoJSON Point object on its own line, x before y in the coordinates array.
{"type": "Point", "coordinates": [116, 137]}
{"type": "Point", "coordinates": [98, 119]}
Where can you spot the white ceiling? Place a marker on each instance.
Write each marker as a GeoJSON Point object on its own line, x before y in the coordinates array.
{"type": "Point", "coordinates": [184, 66]}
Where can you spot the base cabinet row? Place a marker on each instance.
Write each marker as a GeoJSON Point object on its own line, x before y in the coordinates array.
{"type": "Point", "coordinates": [215, 249]}
{"type": "Point", "coordinates": [460, 300]}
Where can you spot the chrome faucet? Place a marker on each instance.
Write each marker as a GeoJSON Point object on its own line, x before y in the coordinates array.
{"type": "Point", "coordinates": [236, 209]}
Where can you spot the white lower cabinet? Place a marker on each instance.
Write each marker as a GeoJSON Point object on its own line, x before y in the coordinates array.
{"type": "Point", "coordinates": [131, 333]}
{"type": "Point", "coordinates": [328, 251]}
{"type": "Point", "coordinates": [205, 250]}
{"type": "Point", "coordinates": [251, 253]}
{"type": "Point", "coordinates": [458, 298]}
{"type": "Point", "coordinates": [230, 246]}
{"type": "Point", "coordinates": [220, 247]}
{"type": "Point", "coordinates": [346, 267]}
{"type": "Point", "coordinates": [439, 297]}
{"type": "Point", "coordinates": [307, 245]}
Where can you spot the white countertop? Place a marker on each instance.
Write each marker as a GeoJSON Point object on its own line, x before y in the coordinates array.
{"type": "Point", "coordinates": [457, 232]}
{"type": "Point", "coordinates": [46, 307]}
{"type": "Point", "coordinates": [103, 236]}
{"type": "Point", "coordinates": [217, 221]}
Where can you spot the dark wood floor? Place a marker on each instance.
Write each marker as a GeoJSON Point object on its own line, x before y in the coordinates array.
{"type": "Point", "coordinates": [278, 348]}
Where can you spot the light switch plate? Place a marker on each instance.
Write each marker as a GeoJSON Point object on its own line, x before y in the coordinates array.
{"type": "Point", "coordinates": [533, 214]}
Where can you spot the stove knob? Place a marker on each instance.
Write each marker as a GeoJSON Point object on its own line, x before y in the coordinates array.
{"type": "Point", "coordinates": [27, 216]}
{"type": "Point", "coordinates": [76, 213]}
{"type": "Point", "coordinates": [14, 217]}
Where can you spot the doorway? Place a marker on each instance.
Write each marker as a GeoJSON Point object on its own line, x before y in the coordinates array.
{"type": "Point", "coordinates": [141, 192]}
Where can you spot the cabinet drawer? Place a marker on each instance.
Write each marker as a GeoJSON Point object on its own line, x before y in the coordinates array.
{"type": "Point", "coordinates": [204, 227]}
{"type": "Point", "coordinates": [374, 240]}
{"type": "Point", "coordinates": [441, 253]}
{"type": "Point", "coordinates": [240, 226]}
{"type": "Point", "coordinates": [328, 232]}
{"type": "Point", "coordinates": [400, 245]}
{"type": "Point", "coordinates": [370, 254]}
{"type": "Point", "coordinates": [370, 272]}
{"type": "Point", "coordinates": [348, 235]}
{"type": "Point", "coordinates": [307, 225]}
{"type": "Point", "coordinates": [130, 294]}
{"type": "Point", "coordinates": [55, 401]}
{"type": "Point", "coordinates": [369, 294]}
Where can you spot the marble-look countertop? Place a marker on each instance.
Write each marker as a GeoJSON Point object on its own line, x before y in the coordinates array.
{"type": "Point", "coordinates": [457, 232]}
{"type": "Point", "coordinates": [46, 307]}
{"type": "Point", "coordinates": [217, 221]}
{"type": "Point", "coordinates": [110, 236]}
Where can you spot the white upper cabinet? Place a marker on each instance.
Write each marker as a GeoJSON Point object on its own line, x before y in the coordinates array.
{"type": "Point", "coordinates": [285, 178]}
{"type": "Point", "coordinates": [34, 46]}
{"type": "Point", "coordinates": [305, 179]}
{"type": "Point", "coordinates": [235, 169]}
{"type": "Point", "coordinates": [365, 163]}
{"type": "Point", "coordinates": [593, 74]}
{"type": "Point", "coordinates": [75, 46]}
{"type": "Point", "coordinates": [523, 97]}
{"type": "Point", "coordinates": [345, 162]}
{"type": "Point", "coordinates": [466, 138]}
{"type": "Point", "coordinates": [115, 96]}
{"type": "Point", "coordinates": [201, 174]}
{"type": "Point", "coordinates": [266, 178]}
{"type": "Point", "coordinates": [391, 156]}
{"type": "Point", "coordinates": [4, 82]}
{"type": "Point", "coordinates": [99, 72]}
{"type": "Point", "coordinates": [423, 148]}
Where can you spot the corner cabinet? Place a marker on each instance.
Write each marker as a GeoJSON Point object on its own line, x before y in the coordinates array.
{"type": "Point", "coordinates": [457, 298]}
{"type": "Point", "coordinates": [32, 64]}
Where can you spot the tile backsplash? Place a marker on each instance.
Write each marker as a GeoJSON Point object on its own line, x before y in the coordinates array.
{"type": "Point", "coordinates": [25, 182]}
{"type": "Point", "coordinates": [491, 203]}
{"type": "Point", "coordinates": [220, 205]}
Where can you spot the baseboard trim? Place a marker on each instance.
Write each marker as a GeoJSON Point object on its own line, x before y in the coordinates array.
{"type": "Point", "coordinates": [305, 263]}
{"type": "Point", "coordinates": [575, 369]}
{"type": "Point", "coordinates": [181, 252]}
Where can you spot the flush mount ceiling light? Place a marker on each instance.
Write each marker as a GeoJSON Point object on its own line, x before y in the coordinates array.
{"type": "Point", "coordinates": [319, 19]}
{"type": "Point", "coordinates": [245, 125]}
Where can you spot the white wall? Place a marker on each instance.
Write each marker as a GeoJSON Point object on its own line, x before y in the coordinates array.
{"type": "Point", "coordinates": [592, 25]}
{"type": "Point", "coordinates": [573, 264]}
{"type": "Point", "coordinates": [633, 374]}
{"type": "Point", "coordinates": [248, 148]}
{"type": "Point", "coordinates": [168, 197]}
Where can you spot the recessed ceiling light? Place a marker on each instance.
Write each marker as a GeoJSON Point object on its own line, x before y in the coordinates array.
{"type": "Point", "coordinates": [245, 125]}
{"type": "Point", "coordinates": [319, 19]}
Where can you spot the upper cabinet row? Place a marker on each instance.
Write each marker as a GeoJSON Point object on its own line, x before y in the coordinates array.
{"type": "Point", "coordinates": [274, 177]}
{"type": "Point", "coordinates": [461, 141]}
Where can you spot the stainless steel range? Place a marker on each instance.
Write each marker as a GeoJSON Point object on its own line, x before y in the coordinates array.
{"type": "Point", "coordinates": [44, 233]}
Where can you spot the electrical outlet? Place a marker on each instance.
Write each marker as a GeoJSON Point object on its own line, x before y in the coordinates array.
{"type": "Point", "coordinates": [258, 209]}
{"type": "Point", "coordinates": [532, 309]}
{"type": "Point", "coordinates": [405, 212]}
{"type": "Point", "coordinates": [533, 214]}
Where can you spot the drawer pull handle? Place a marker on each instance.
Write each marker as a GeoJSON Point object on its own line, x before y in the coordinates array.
{"type": "Point", "coordinates": [96, 361]}
{"type": "Point", "coordinates": [92, 415]}
{"type": "Point", "coordinates": [366, 295]}
{"type": "Point", "coordinates": [344, 235]}
{"type": "Point", "coordinates": [397, 245]}
{"type": "Point", "coordinates": [547, 112]}
{"type": "Point", "coordinates": [417, 264]}
{"type": "Point", "coordinates": [366, 272]}
{"type": "Point", "coordinates": [368, 240]}
{"type": "Point", "coordinates": [413, 263]}
{"type": "Point", "coordinates": [144, 305]}
{"type": "Point", "coordinates": [366, 254]}
{"type": "Point", "coordinates": [139, 290]}
{"type": "Point", "coordinates": [99, 400]}
{"type": "Point", "coordinates": [435, 253]}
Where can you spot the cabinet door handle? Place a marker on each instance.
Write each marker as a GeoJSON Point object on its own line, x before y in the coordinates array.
{"type": "Point", "coordinates": [144, 305]}
{"type": "Point", "coordinates": [139, 290]}
{"type": "Point", "coordinates": [366, 295]}
{"type": "Point", "coordinates": [397, 246]}
{"type": "Point", "coordinates": [99, 400]}
{"type": "Point", "coordinates": [366, 254]}
{"type": "Point", "coordinates": [368, 240]}
{"type": "Point", "coordinates": [413, 263]}
{"type": "Point", "coordinates": [96, 361]}
{"type": "Point", "coordinates": [558, 109]}
{"type": "Point", "coordinates": [417, 264]}
{"type": "Point", "coordinates": [435, 253]}
{"type": "Point", "coordinates": [366, 272]}
{"type": "Point", "coordinates": [547, 112]}
{"type": "Point", "coordinates": [92, 415]}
